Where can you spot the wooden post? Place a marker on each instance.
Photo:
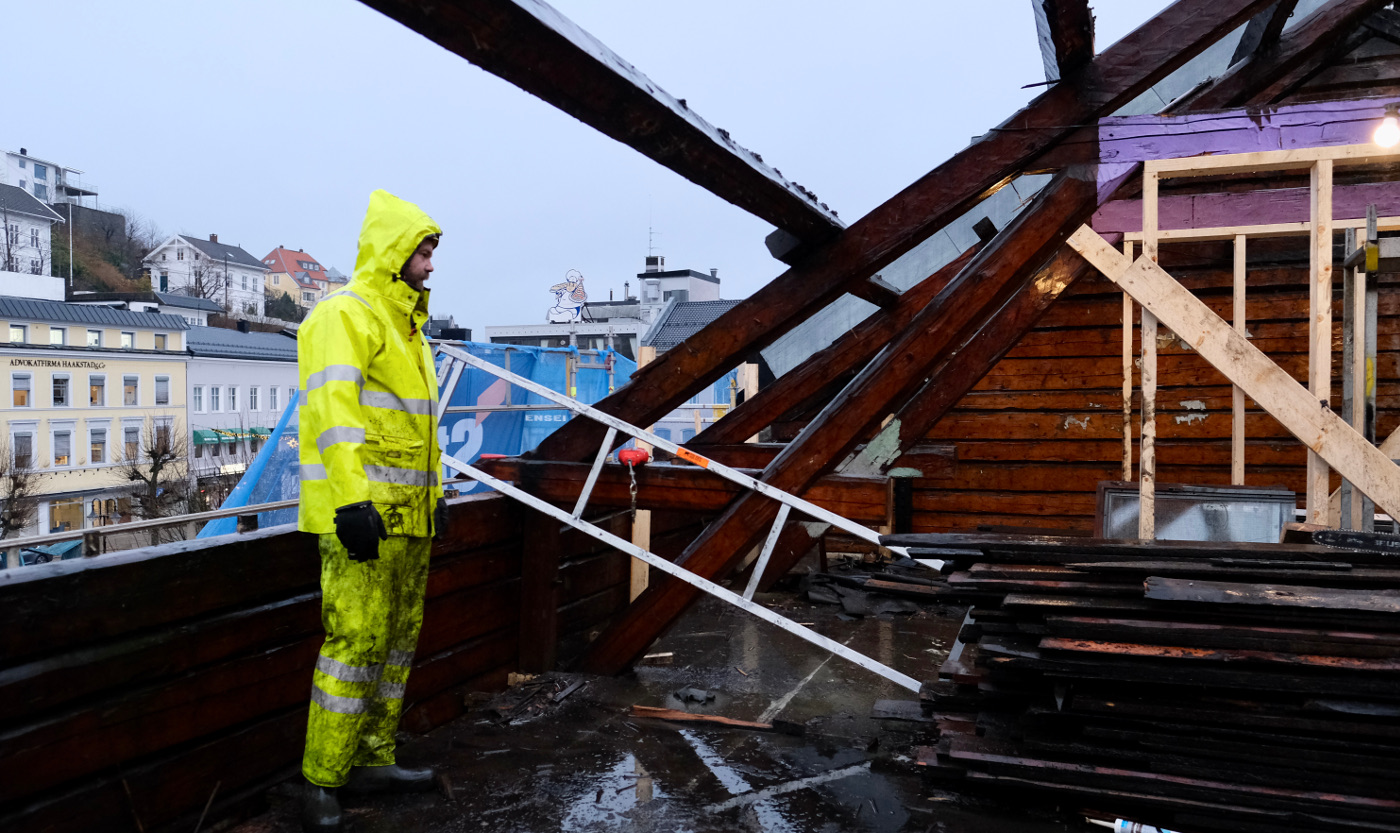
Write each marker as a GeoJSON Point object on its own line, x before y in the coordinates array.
{"type": "Point", "coordinates": [1127, 376]}
{"type": "Point", "coordinates": [1237, 395]}
{"type": "Point", "coordinates": [1347, 509]}
{"type": "Point", "coordinates": [641, 524]}
{"type": "Point", "coordinates": [539, 604]}
{"type": "Point", "coordinates": [1147, 456]}
{"type": "Point", "coordinates": [749, 377]}
{"type": "Point", "coordinates": [1320, 328]}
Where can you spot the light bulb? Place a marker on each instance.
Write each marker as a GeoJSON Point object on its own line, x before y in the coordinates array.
{"type": "Point", "coordinates": [1388, 134]}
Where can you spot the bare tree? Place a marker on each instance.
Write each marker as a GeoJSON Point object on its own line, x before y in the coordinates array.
{"type": "Point", "coordinates": [18, 484]}
{"type": "Point", "coordinates": [159, 470]}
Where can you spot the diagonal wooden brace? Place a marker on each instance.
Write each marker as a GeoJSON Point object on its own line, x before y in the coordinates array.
{"type": "Point", "coordinates": [1313, 423]}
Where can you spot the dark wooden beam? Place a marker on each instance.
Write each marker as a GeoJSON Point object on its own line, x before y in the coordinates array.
{"type": "Point", "coordinates": [1301, 51]}
{"type": "Point", "coordinates": [531, 45]}
{"type": "Point", "coordinates": [999, 273]}
{"type": "Point", "coordinates": [933, 460]}
{"type": "Point", "coordinates": [1262, 33]}
{"type": "Point", "coordinates": [842, 356]}
{"type": "Point", "coordinates": [1112, 79]}
{"type": "Point", "coordinates": [679, 488]}
{"type": "Point", "coordinates": [539, 591]}
{"type": "Point", "coordinates": [979, 354]}
{"type": "Point", "coordinates": [1065, 29]}
{"type": "Point", "coordinates": [1385, 23]}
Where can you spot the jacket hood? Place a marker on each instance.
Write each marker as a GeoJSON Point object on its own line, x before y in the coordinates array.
{"type": "Point", "coordinates": [392, 230]}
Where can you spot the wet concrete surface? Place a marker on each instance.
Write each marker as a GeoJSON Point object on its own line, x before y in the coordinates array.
{"type": "Point", "coordinates": [586, 765]}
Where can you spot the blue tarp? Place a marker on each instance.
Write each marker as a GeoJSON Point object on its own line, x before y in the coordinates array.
{"type": "Point", "coordinates": [274, 474]}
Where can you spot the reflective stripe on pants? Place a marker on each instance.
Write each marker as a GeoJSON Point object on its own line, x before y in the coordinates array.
{"type": "Point", "coordinates": [372, 613]}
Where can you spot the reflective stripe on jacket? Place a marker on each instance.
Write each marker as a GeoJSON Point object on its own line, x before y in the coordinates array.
{"type": "Point", "coordinates": [368, 414]}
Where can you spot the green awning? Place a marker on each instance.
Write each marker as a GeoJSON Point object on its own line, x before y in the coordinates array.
{"type": "Point", "coordinates": [202, 437]}
{"type": "Point", "coordinates": [261, 433]}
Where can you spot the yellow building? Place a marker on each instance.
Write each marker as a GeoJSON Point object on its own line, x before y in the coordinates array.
{"type": "Point", "coordinates": [85, 385]}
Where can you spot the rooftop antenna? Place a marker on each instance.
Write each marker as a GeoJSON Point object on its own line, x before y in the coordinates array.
{"type": "Point", "coordinates": [651, 240]}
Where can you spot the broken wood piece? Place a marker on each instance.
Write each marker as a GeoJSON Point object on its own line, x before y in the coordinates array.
{"type": "Point", "coordinates": [688, 717]}
{"type": "Point", "coordinates": [1219, 592]}
{"type": "Point", "coordinates": [911, 710]}
{"type": "Point", "coordinates": [663, 658]}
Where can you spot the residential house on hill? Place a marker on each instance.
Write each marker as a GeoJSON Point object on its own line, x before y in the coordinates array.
{"type": "Point", "coordinates": [225, 274]}
{"type": "Point", "coordinates": [26, 254]}
{"type": "Point", "coordinates": [47, 181]}
{"type": "Point", "coordinates": [298, 274]}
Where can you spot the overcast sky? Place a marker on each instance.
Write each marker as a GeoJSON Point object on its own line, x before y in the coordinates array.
{"type": "Point", "coordinates": [269, 123]}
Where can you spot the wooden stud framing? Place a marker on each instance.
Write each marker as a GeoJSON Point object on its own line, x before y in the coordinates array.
{"type": "Point", "coordinates": [1320, 328]}
{"type": "Point", "coordinates": [1237, 395]}
{"type": "Point", "coordinates": [1321, 430]}
{"type": "Point", "coordinates": [640, 574]}
{"type": "Point", "coordinates": [1218, 233]}
{"type": "Point", "coordinates": [1147, 454]}
{"type": "Point", "coordinates": [1128, 312]}
{"type": "Point", "coordinates": [1268, 160]}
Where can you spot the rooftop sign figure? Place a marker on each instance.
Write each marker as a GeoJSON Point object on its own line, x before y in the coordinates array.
{"type": "Point", "coordinates": [569, 298]}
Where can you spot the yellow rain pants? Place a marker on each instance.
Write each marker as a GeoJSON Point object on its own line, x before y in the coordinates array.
{"type": "Point", "coordinates": [372, 612]}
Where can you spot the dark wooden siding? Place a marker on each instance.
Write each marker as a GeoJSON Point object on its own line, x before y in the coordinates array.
{"type": "Point", "coordinates": [133, 683]}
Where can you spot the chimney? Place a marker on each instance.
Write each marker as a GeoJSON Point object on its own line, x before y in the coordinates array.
{"type": "Point", "coordinates": [213, 238]}
{"type": "Point", "coordinates": [23, 152]}
{"type": "Point", "coordinates": [656, 263]}
{"type": "Point", "coordinates": [626, 290]}
{"type": "Point", "coordinates": [714, 273]}
{"type": "Point", "coordinates": [243, 325]}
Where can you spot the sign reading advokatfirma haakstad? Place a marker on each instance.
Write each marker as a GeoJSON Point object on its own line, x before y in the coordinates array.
{"type": "Point", "coordinates": [74, 364]}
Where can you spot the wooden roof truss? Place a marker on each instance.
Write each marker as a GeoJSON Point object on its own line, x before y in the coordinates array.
{"type": "Point", "coordinates": [925, 347]}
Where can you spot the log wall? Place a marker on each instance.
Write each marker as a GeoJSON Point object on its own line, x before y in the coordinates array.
{"type": "Point", "coordinates": [132, 684]}
{"type": "Point", "coordinates": [1039, 432]}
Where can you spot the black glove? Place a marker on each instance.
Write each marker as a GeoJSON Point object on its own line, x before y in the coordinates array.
{"type": "Point", "coordinates": [360, 529]}
{"type": "Point", "coordinates": [440, 520]}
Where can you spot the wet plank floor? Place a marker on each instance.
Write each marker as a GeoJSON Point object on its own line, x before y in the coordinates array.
{"type": "Point", "coordinates": [587, 765]}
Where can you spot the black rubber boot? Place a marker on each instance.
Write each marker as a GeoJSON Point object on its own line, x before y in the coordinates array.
{"type": "Point", "coordinates": [320, 810]}
{"type": "Point", "coordinates": [389, 779]}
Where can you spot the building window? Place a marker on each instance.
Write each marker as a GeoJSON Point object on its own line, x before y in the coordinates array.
{"type": "Point", "coordinates": [233, 449]}
{"type": "Point", "coordinates": [97, 391]}
{"type": "Point", "coordinates": [254, 445]}
{"type": "Point", "coordinates": [19, 384]}
{"type": "Point", "coordinates": [179, 254]}
{"type": "Point", "coordinates": [62, 448]}
{"type": "Point", "coordinates": [60, 391]}
{"type": "Point", "coordinates": [245, 283]}
{"type": "Point", "coordinates": [98, 451]}
{"type": "Point", "coordinates": [65, 515]}
{"type": "Point", "coordinates": [199, 399]}
{"type": "Point", "coordinates": [162, 390]}
{"type": "Point", "coordinates": [94, 338]}
{"type": "Point", "coordinates": [58, 336]}
{"type": "Point", "coordinates": [128, 341]}
{"type": "Point", "coordinates": [164, 281]}
{"type": "Point", "coordinates": [36, 266]}
{"type": "Point", "coordinates": [290, 393]}
{"type": "Point", "coordinates": [41, 191]}
{"type": "Point", "coordinates": [163, 437]}
{"type": "Point", "coordinates": [213, 399]}
{"type": "Point", "coordinates": [160, 341]}
{"type": "Point", "coordinates": [199, 451]}
{"type": "Point", "coordinates": [24, 450]}
{"type": "Point", "coordinates": [253, 398]}
{"type": "Point", "coordinates": [131, 390]}
{"type": "Point", "coordinates": [34, 237]}
{"type": "Point", "coordinates": [41, 171]}
{"type": "Point", "coordinates": [19, 334]}
{"type": "Point", "coordinates": [132, 436]}
{"type": "Point", "coordinates": [13, 231]}
{"type": "Point", "coordinates": [232, 398]}
{"type": "Point", "coordinates": [215, 449]}
{"type": "Point", "coordinates": [272, 398]}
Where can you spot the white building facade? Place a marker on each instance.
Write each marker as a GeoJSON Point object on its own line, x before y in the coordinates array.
{"type": "Point", "coordinates": [26, 247]}
{"type": "Point", "coordinates": [49, 182]}
{"type": "Point", "coordinates": [225, 274]}
{"type": "Point", "coordinates": [239, 383]}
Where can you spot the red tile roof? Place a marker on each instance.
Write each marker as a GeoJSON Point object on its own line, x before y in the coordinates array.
{"type": "Point", "coordinates": [291, 262]}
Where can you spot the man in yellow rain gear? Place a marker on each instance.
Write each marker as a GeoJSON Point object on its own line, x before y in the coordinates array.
{"type": "Point", "coordinates": [370, 491]}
